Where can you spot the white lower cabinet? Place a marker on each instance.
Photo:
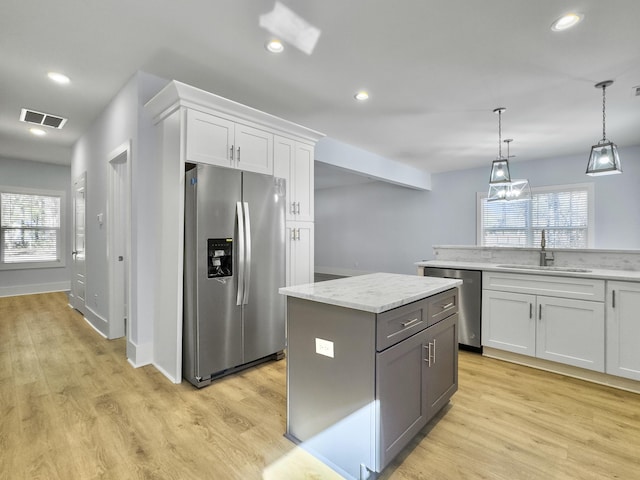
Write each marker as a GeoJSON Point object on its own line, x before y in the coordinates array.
{"type": "Point", "coordinates": [508, 323]}
{"type": "Point", "coordinates": [551, 326]}
{"type": "Point", "coordinates": [623, 329]}
{"type": "Point", "coordinates": [299, 253]}
{"type": "Point", "coordinates": [571, 332]}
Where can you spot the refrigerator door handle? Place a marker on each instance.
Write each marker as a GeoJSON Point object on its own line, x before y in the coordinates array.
{"type": "Point", "coordinates": [247, 266]}
{"type": "Point", "coordinates": [240, 268]}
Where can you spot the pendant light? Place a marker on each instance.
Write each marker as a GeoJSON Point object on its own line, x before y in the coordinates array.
{"type": "Point", "coordinates": [604, 159]}
{"type": "Point", "coordinates": [509, 191]}
{"type": "Point", "coordinates": [500, 166]}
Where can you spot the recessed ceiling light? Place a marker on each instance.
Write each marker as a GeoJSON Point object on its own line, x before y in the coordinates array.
{"type": "Point", "coordinates": [58, 78]}
{"type": "Point", "coordinates": [274, 46]}
{"type": "Point", "coordinates": [38, 132]}
{"type": "Point", "coordinates": [566, 21]}
{"type": "Point", "coordinates": [361, 95]}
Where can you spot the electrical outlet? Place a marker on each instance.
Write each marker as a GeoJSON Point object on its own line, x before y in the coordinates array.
{"type": "Point", "coordinates": [324, 347]}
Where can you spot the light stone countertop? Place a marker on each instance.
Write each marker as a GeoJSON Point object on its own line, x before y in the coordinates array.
{"type": "Point", "coordinates": [375, 292]}
{"type": "Point", "coordinates": [594, 273]}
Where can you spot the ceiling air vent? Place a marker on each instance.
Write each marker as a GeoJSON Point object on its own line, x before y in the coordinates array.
{"type": "Point", "coordinates": [39, 118]}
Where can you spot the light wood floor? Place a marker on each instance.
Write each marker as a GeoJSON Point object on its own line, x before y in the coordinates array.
{"type": "Point", "coordinates": [71, 407]}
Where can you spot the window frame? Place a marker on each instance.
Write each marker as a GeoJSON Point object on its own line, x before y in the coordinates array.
{"type": "Point", "coordinates": [589, 187]}
{"type": "Point", "coordinates": [61, 237]}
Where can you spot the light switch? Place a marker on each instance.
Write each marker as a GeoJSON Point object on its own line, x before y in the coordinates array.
{"type": "Point", "coordinates": [324, 347]}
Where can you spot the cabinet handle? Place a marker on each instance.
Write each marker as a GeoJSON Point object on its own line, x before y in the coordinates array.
{"type": "Point", "coordinates": [298, 208]}
{"type": "Point", "coordinates": [238, 153]}
{"type": "Point", "coordinates": [231, 153]}
{"type": "Point", "coordinates": [531, 310]}
{"type": "Point", "coordinates": [428, 359]}
{"type": "Point", "coordinates": [539, 312]}
{"type": "Point", "coordinates": [409, 323]}
{"type": "Point", "coordinates": [434, 351]}
{"type": "Point", "coordinates": [297, 234]}
{"type": "Point", "coordinates": [448, 305]}
{"type": "Point", "coordinates": [292, 210]}
{"type": "Point", "coordinates": [613, 299]}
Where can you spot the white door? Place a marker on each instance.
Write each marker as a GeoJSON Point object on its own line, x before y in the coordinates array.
{"type": "Point", "coordinates": [253, 149]}
{"type": "Point", "coordinates": [78, 273]}
{"type": "Point", "coordinates": [623, 329]}
{"type": "Point", "coordinates": [571, 332]}
{"type": "Point", "coordinates": [118, 238]}
{"type": "Point", "coordinates": [283, 158]}
{"type": "Point", "coordinates": [210, 139]}
{"type": "Point", "coordinates": [299, 254]}
{"type": "Point", "coordinates": [508, 321]}
{"type": "Point", "coordinates": [303, 182]}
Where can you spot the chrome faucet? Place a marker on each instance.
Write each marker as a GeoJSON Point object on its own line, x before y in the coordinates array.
{"type": "Point", "coordinates": [546, 258]}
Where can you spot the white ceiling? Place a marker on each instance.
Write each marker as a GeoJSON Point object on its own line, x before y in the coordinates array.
{"type": "Point", "coordinates": [435, 70]}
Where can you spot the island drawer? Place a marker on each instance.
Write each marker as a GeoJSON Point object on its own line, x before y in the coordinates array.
{"type": "Point", "coordinates": [395, 325]}
{"type": "Point", "coordinates": [441, 306]}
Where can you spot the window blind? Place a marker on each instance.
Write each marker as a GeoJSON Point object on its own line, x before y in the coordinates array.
{"type": "Point", "coordinates": [29, 227]}
{"type": "Point", "coordinates": [563, 212]}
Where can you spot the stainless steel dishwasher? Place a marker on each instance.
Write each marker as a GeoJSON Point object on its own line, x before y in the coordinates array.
{"type": "Point", "coordinates": [470, 307]}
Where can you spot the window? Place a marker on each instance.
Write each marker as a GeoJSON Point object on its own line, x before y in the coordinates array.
{"type": "Point", "coordinates": [31, 233]}
{"type": "Point", "coordinates": [565, 212]}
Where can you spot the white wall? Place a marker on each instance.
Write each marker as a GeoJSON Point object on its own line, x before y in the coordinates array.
{"type": "Point", "coordinates": [124, 120]}
{"type": "Point", "coordinates": [383, 227]}
{"type": "Point", "coordinates": [26, 174]}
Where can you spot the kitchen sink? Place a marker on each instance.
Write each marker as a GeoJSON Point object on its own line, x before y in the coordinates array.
{"type": "Point", "coordinates": [550, 268]}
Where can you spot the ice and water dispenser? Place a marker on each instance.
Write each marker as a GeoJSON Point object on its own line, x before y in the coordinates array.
{"type": "Point", "coordinates": [220, 257]}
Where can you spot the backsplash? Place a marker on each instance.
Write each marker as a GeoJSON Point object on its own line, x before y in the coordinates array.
{"type": "Point", "coordinates": [592, 258]}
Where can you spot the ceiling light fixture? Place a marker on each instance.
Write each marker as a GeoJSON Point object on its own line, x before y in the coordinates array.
{"type": "Point", "coordinates": [604, 159]}
{"type": "Point", "coordinates": [361, 95]}
{"type": "Point", "coordinates": [566, 21]}
{"type": "Point", "coordinates": [38, 132]}
{"type": "Point", "coordinates": [500, 166]}
{"type": "Point", "coordinates": [274, 46]}
{"type": "Point", "coordinates": [58, 78]}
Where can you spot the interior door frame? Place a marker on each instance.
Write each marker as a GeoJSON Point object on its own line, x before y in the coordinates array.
{"type": "Point", "coordinates": [119, 229]}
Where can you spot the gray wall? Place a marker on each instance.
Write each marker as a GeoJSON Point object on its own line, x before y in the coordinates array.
{"type": "Point", "coordinates": [382, 227]}
{"type": "Point", "coordinates": [124, 120]}
{"type": "Point", "coordinates": [26, 174]}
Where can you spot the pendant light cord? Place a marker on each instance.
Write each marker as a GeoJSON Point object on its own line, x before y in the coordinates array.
{"type": "Point", "coordinates": [604, 136]}
{"type": "Point", "coordinates": [499, 134]}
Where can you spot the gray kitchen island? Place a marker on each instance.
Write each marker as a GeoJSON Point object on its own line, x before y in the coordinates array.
{"type": "Point", "coordinates": [370, 360]}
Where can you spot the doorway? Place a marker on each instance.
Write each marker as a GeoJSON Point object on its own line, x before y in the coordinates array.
{"type": "Point", "coordinates": [119, 240]}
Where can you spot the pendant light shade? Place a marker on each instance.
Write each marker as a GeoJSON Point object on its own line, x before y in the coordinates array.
{"type": "Point", "coordinates": [604, 159]}
{"type": "Point", "coordinates": [500, 171]}
{"type": "Point", "coordinates": [514, 190]}
{"type": "Point", "coordinates": [500, 166]}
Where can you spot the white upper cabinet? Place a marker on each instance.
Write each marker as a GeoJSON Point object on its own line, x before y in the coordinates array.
{"type": "Point", "coordinates": [623, 329]}
{"type": "Point", "coordinates": [293, 161]}
{"type": "Point", "coordinates": [218, 141]}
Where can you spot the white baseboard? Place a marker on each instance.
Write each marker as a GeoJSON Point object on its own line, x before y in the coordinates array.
{"type": "Point", "coordinates": [35, 289]}
{"type": "Point", "coordinates": [568, 370]}
{"type": "Point", "coordinates": [99, 323]}
{"type": "Point", "coordinates": [167, 374]}
{"type": "Point", "coordinates": [139, 355]}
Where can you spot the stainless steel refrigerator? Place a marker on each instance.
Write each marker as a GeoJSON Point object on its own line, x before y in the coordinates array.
{"type": "Point", "coordinates": [234, 263]}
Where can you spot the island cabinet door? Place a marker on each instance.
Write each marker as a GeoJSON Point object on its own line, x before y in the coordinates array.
{"type": "Point", "coordinates": [400, 394]}
{"type": "Point", "coordinates": [442, 364]}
